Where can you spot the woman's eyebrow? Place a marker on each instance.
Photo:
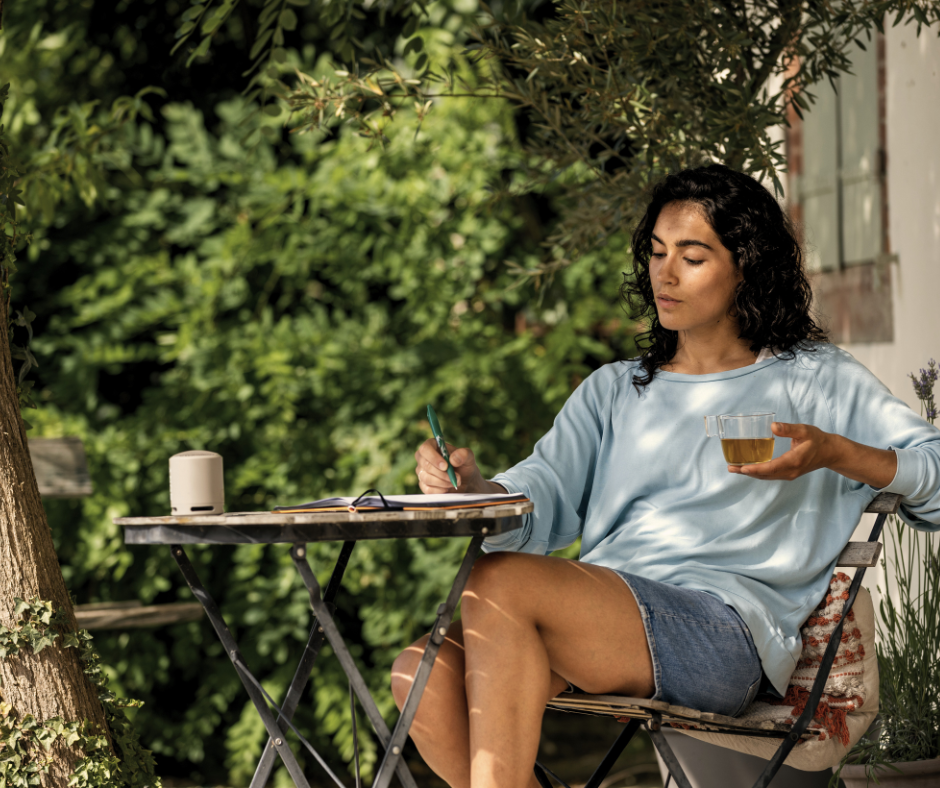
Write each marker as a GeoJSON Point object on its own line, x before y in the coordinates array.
{"type": "Point", "coordinates": [687, 242]}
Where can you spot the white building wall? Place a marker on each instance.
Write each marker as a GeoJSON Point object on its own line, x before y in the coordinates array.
{"type": "Point", "coordinates": [913, 170]}
{"type": "Point", "coordinates": [913, 138]}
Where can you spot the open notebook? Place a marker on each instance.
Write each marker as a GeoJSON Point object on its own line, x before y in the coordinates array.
{"type": "Point", "coordinates": [403, 503]}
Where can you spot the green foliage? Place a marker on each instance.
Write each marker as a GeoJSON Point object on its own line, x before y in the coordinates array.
{"type": "Point", "coordinates": [23, 353]}
{"type": "Point", "coordinates": [909, 642]}
{"type": "Point", "coordinates": [58, 158]}
{"type": "Point", "coordinates": [618, 93]}
{"type": "Point", "coordinates": [25, 742]}
{"type": "Point", "coordinates": [275, 24]}
{"type": "Point", "coordinates": [908, 724]}
{"type": "Point", "coordinates": [60, 149]}
{"type": "Point", "coordinates": [295, 307]}
{"type": "Point", "coordinates": [23, 751]}
{"type": "Point", "coordinates": [37, 629]}
{"type": "Point", "coordinates": [9, 239]}
{"type": "Point", "coordinates": [9, 199]}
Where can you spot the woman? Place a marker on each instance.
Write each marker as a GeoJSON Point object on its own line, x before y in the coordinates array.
{"type": "Point", "coordinates": [694, 576]}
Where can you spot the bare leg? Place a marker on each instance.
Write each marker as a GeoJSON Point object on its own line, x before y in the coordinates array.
{"type": "Point", "coordinates": [525, 616]}
{"type": "Point", "coordinates": [441, 729]}
{"type": "Point", "coordinates": [529, 623]}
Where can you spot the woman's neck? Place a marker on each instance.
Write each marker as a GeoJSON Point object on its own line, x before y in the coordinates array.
{"type": "Point", "coordinates": [701, 356]}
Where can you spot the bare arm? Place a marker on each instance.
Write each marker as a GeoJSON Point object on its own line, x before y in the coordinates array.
{"type": "Point", "coordinates": [875, 467]}
{"type": "Point", "coordinates": [812, 449]}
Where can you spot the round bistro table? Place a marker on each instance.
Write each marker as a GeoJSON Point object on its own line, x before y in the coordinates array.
{"type": "Point", "coordinates": [298, 530]}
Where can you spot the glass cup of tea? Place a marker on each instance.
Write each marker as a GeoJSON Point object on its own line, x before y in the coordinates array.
{"type": "Point", "coordinates": [746, 438]}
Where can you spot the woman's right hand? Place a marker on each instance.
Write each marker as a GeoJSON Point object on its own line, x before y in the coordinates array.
{"type": "Point", "coordinates": [431, 470]}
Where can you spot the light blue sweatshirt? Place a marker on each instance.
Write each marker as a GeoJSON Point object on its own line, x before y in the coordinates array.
{"type": "Point", "coordinates": [636, 477]}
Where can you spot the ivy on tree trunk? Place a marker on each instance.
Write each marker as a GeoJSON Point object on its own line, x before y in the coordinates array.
{"type": "Point", "coordinates": [51, 683]}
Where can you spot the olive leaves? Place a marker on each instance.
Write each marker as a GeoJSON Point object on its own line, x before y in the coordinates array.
{"type": "Point", "coordinates": [615, 93]}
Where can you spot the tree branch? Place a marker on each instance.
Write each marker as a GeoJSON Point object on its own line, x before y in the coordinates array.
{"type": "Point", "coordinates": [791, 17]}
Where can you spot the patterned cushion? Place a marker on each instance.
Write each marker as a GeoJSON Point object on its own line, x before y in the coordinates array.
{"type": "Point", "coordinates": [850, 699]}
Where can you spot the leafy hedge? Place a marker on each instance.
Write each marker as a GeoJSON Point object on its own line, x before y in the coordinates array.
{"type": "Point", "coordinates": [293, 306]}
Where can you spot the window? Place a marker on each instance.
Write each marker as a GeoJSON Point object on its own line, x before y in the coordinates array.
{"type": "Point", "coordinates": [837, 178]}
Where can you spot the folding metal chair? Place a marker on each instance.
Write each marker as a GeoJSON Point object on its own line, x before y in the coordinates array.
{"type": "Point", "coordinates": [652, 715]}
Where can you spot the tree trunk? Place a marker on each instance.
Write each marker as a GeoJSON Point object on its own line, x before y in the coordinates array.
{"type": "Point", "coordinates": [50, 684]}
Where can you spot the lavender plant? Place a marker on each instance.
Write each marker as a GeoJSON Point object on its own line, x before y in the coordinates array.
{"type": "Point", "coordinates": [923, 388]}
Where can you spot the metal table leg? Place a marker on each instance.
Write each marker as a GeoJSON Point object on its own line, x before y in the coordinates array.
{"type": "Point", "coordinates": [299, 554]}
{"type": "Point", "coordinates": [392, 761]}
{"type": "Point", "coordinates": [304, 668]}
{"type": "Point", "coordinates": [445, 614]}
{"type": "Point", "coordinates": [231, 648]}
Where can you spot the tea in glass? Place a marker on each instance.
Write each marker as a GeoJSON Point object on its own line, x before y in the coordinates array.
{"type": "Point", "coordinates": [747, 451]}
{"type": "Point", "coordinates": [746, 438]}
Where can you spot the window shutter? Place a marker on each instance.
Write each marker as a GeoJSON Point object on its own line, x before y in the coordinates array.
{"type": "Point", "coordinates": [861, 183]}
{"type": "Point", "coordinates": [819, 181]}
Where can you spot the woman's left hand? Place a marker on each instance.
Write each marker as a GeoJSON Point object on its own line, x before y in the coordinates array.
{"type": "Point", "coordinates": [810, 450]}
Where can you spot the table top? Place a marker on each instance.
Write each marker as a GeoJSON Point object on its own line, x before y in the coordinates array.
{"type": "Point", "coordinates": [271, 527]}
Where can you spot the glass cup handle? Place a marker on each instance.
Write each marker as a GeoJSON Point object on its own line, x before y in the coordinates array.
{"type": "Point", "coordinates": [711, 426]}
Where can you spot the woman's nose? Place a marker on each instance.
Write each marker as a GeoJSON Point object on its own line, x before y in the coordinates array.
{"type": "Point", "coordinates": [666, 270]}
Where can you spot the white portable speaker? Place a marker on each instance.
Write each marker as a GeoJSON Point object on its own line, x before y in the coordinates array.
{"type": "Point", "coordinates": [196, 485]}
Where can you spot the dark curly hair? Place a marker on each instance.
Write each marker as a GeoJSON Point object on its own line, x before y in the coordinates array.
{"type": "Point", "coordinates": [772, 302]}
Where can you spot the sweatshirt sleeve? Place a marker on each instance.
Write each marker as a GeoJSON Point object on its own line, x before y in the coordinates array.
{"type": "Point", "coordinates": [559, 474]}
{"type": "Point", "coordinates": [864, 410]}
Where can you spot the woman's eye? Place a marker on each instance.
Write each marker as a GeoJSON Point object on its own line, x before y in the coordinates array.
{"type": "Point", "coordinates": [689, 260]}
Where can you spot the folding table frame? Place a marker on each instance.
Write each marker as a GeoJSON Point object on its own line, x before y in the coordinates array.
{"type": "Point", "coordinates": [652, 715]}
{"type": "Point", "coordinates": [298, 530]}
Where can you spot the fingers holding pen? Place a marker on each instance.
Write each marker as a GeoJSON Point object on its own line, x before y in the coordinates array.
{"type": "Point", "coordinates": [431, 468]}
{"type": "Point", "coordinates": [462, 459]}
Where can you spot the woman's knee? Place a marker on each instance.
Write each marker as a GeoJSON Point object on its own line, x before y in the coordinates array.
{"type": "Point", "coordinates": [404, 669]}
{"type": "Point", "coordinates": [448, 667]}
{"type": "Point", "coordinates": [500, 582]}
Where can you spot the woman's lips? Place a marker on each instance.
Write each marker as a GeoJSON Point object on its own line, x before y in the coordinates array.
{"type": "Point", "coordinates": [666, 301]}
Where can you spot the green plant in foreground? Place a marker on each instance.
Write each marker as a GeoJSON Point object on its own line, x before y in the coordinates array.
{"type": "Point", "coordinates": [908, 726]}
{"type": "Point", "coordinates": [25, 742]}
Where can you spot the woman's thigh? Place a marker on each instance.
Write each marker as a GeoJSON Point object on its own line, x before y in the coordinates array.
{"type": "Point", "coordinates": [586, 616]}
{"type": "Point", "coordinates": [447, 674]}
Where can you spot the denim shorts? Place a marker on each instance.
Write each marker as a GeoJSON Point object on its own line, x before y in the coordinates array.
{"type": "Point", "coordinates": [703, 654]}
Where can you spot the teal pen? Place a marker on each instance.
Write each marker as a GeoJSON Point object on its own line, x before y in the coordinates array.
{"type": "Point", "coordinates": [439, 437]}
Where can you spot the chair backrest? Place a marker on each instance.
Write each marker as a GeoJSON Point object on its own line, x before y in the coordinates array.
{"type": "Point", "coordinates": [762, 737]}
{"type": "Point", "coordinates": [852, 716]}
{"type": "Point", "coordinates": [866, 554]}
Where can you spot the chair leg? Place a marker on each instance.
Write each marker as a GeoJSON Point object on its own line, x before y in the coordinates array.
{"type": "Point", "coordinates": [654, 726]}
{"type": "Point", "coordinates": [542, 777]}
{"type": "Point", "coordinates": [604, 767]}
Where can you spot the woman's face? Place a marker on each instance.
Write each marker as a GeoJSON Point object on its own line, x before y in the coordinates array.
{"type": "Point", "coordinates": [693, 275]}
